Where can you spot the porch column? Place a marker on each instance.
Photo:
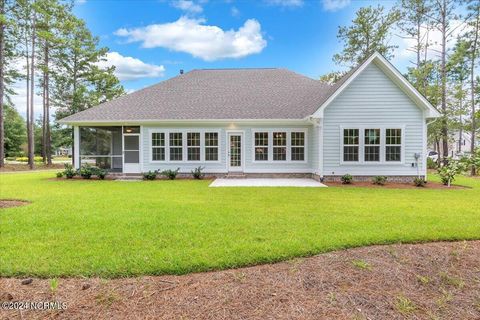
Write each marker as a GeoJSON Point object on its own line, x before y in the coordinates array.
{"type": "Point", "coordinates": [76, 147]}
{"type": "Point", "coordinates": [320, 146]}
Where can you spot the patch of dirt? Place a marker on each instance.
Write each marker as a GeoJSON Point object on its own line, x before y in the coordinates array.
{"type": "Point", "coordinates": [12, 203]}
{"type": "Point", "coordinates": [419, 281]}
{"type": "Point", "coordinates": [394, 185]}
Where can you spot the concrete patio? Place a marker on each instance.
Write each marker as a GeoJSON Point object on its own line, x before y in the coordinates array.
{"type": "Point", "coordinates": [270, 182]}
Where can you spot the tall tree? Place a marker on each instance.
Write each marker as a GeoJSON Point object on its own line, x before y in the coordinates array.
{"type": "Point", "coordinates": [443, 15]}
{"type": "Point", "coordinates": [414, 26]}
{"type": "Point", "coordinates": [474, 9]}
{"type": "Point", "coordinates": [370, 31]}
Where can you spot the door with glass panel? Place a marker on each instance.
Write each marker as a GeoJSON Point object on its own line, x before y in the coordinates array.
{"type": "Point", "coordinates": [131, 150]}
{"type": "Point", "coordinates": [235, 149]}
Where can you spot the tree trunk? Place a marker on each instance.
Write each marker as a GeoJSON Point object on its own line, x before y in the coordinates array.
{"type": "Point", "coordinates": [2, 82]}
{"type": "Point", "coordinates": [444, 80]}
{"type": "Point", "coordinates": [48, 138]}
{"type": "Point", "coordinates": [472, 89]}
{"type": "Point", "coordinates": [31, 140]}
{"type": "Point", "coordinates": [44, 129]}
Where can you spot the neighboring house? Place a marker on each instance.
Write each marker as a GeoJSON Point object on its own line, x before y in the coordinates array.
{"type": "Point", "coordinates": [63, 151]}
{"type": "Point", "coordinates": [263, 122]}
{"type": "Point", "coordinates": [459, 144]}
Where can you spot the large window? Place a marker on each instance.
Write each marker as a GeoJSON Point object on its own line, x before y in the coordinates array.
{"type": "Point", "coordinates": [273, 145]}
{"type": "Point", "coordinates": [393, 144]}
{"type": "Point", "coordinates": [176, 149]}
{"type": "Point", "coordinates": [372, 145]}
{"type": "Point", "coordinates": [193, 146]}
{"type": "Point", "coordinates": [158, 146]}
{"type": "Point", "coordinates": [261, 146]}
{"type": "Point", "coordinates": [211, 146]}
{"type": "Point", "coordinates": [350, 144]}
{"type": "Point", "coordinates": [184, 146]}
{"type": "Point", "coordinates": [298, 146]}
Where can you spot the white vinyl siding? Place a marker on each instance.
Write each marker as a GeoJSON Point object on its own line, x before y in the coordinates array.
{"type": "Point", "coordinates": [373, 101]}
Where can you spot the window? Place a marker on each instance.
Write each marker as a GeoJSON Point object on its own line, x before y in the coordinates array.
{"type": "Point", "coordinates": [261, 146]}
{"type": "Point", "coordinates": [372, 145]}
{"type": "Point", "coordinates": [193, 146]}
{"type": "Point", "coordinates": [393, 144]}
{"type": "Point", "coordinates": [211, 146]}
{"type": "Point", "coordinates": [298, 146]}
{"type": "Point", "coordinates": [158, 146]}
{"type": "Point", "coordinates": [350, 144]}
{"type": "Point", "coordinates": [279, 146]}
{"type": "Point", "coordinates": [176, 143]}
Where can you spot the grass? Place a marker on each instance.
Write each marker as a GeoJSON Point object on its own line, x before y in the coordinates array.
{"type": "Point", "coordinates": [115, 229]}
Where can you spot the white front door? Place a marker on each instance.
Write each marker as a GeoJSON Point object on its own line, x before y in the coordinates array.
{"type": "Point", "coordinates": [235, 152]}
{"type": "Point", "coordinates": [131, 153]}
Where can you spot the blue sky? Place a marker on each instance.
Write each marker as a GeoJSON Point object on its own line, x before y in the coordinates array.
{"type": "Point", "coordinates": [152, 40]}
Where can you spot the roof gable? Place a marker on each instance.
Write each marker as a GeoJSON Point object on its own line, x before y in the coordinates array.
{"type": "Point", "coordinates": [391, 72]}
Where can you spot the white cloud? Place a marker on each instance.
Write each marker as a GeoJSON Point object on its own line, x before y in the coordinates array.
{"type": "Point", "coordinates": [187, 6]}
{"type": "Point", "coordinates": [129, 68]}
{"type": "Point", "coordinates": [334, 5]}
{"type": "Point", "coordinates": [202, 41]}
{"type": "Point", "coordinates": [285, 3]}
{"type": "Point", "coordinates": [234, 12]}
{"type": "Point", "coordinates": [80, 1]}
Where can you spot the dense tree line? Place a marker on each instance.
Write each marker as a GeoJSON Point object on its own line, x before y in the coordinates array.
{"type": "Point", "coordinates": [444, 72]}
{"type": "Point", "coordinates": [46, 47]}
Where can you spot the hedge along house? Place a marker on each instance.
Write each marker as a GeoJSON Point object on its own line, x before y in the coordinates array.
{"type": "Point", "coordinates": [260, 122]}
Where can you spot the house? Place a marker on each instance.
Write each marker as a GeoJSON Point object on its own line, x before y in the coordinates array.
{"type": "Point", "coordinates": [263, 122]}
{"type": "Point", "coordinates": [459, 144]}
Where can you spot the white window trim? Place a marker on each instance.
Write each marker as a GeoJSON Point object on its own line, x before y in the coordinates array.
{"type": "Point", "coordinates": [361, 145]}
{"type": "Point", "coordinates": [289, 144]}
{"type": "Point", "coordinates": [184, 145]}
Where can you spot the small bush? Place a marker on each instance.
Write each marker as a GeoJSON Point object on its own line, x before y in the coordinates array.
{"type": "Point", "coordinates": [25, 159]}
{"type": "Point", "coordinates": [69, 171]}
{"type": "Point", "coordinates": [419, 182]}
{"type": "Point", "coordinates": [197, 173]}
{"type": "Point", "coordinates": [379, 180]}
{"type": "Point", "coordinates": [170, 174]}
{"type": "Point", "coordinates": [99, 172]}
{"type": "Point", "coordinates": [60, 174]}
{"type": "Point", "coordinates": [346, 178]}
{"type": "Point", "coordinates": [431, 164]}
{"type": "Point", "coordinates": [86, 171]}
{"type": "Point", "coordinates": [448, 172]}
{"type": "Point", "coordinates": [150, 175]}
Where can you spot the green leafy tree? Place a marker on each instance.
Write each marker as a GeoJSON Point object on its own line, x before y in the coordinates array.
{"type": "Point", "coordinates": [369, 32]}
{"type": "Point", "coordinates": [15, 132]}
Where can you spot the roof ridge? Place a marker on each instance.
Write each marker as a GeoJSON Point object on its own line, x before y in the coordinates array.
{"type": "Point", "coordinates": [238, 68]}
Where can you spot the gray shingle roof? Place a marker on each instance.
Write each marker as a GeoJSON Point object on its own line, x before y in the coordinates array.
{"type": "Point", "coordinates": [217, 94]}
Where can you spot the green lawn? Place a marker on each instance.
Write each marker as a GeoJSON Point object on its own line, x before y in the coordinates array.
{"type": "Point", "coordinates": [113, 228]}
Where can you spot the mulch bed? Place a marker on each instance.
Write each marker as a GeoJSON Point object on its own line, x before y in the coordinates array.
{"type": "Point", "coordinates": [394, 185]}
{"type": "Point", "coordinates": [12, 203]}
{"type": "Point", "coordinates": [419, 281]}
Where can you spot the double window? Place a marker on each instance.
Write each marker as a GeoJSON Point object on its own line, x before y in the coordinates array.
{"type": "Point", "coordinates": [178, 146]}
{"type": "Point", "coordinates": [279, 145]}
{"type": "Point", "coordinates": [372, 145]}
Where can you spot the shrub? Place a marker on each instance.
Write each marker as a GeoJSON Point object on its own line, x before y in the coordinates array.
{"type": "Point", "coordinates": [86, 171]}
{"type": "Point", "coordinates": [419, 182]}
{"type": "Point", "coordinates": [379, 180]}
{"type": "Point", "coordinates": [448, 172]}
{"type": "Point", "coordinates": [346, 178]}
{"type": "Point", "coordinates": [431, 164]}
{"type": "Point", "coordinates": [99, 172]}
{"type": "Point", "coordinates": [170, 174]}
{"type": "Point", "coordinates": [69, 171]}
{"type": "Point", "coordinates": [60, 174]}
{"type": "Point", "coordinates": [25, 159]}
{"type": "Point", "coordinates": [150, 175]}
{"type": "Point", "coordinates": [197, 173]}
